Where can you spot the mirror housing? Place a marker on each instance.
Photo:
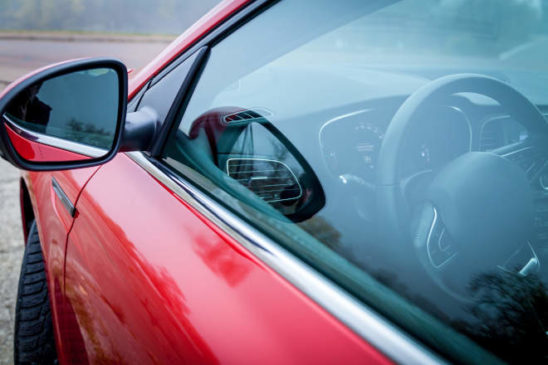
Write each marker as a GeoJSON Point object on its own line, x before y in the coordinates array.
{"type": "Point", "coordinates": [64, 116]}
{"type": "Point", "coordinates": [139, 129]}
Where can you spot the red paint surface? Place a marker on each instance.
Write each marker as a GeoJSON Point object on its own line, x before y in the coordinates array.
{"type": "Point", "coordinates": [150, 281]}
{"type": "Point", "coordinates": [54, 223]}
{"type": "Point", "coordinates": [38, 152]}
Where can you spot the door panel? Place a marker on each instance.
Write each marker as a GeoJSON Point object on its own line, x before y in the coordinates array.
{"type": "Point", "coordinates": [54, 223]}
{"type": "Point", "coordinates": [152, 281]}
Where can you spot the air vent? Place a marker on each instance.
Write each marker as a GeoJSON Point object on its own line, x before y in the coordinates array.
{"type": "Point", "coordinates": [246, 116]}
{"type": "Point", "coordinates": [273, 181]}
{"type": "Point", "coordinates": [490, 136]}
{"type": "Point", "coordinates": [529, 158]}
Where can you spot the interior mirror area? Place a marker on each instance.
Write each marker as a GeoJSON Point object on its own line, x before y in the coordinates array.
{"type": "Point", "coordinates": [66, 116]}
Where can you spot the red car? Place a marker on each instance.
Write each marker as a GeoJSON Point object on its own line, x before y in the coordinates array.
{"type": "Point", "coordinates": [292, 182]}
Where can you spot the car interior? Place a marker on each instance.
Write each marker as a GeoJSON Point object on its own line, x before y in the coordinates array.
{"type": "Point", "coordinates": [429, 176]}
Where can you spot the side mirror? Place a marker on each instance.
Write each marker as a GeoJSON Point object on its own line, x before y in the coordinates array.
{"type": "Point", "coordinates": [65, 116]}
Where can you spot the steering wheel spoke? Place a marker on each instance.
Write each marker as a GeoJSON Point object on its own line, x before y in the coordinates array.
{"type": "Point", "coordinates": [433, 243]}
{"type": "Point", "coordinates": [440, 248]}
{"type": "Point", "coordinates": [524, 261]}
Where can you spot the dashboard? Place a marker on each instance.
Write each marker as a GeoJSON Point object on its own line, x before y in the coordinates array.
{"type": "Point", "coordinates": [248, 148]}
{"type": "Point", "coordinates": [500, 131]}
{"type": "Point", "coordinates": [350, 143]}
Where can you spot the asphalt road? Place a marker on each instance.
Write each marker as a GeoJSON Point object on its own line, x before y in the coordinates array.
{"type": "Point", "coordinates": [18, 56]}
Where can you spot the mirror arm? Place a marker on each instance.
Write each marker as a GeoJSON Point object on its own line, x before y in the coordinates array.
{"type": "Point", "coordinates": [139, 130]}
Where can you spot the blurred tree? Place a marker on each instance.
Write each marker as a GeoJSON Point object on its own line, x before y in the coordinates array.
{"type": "Point", "coordinates": [512, 316]}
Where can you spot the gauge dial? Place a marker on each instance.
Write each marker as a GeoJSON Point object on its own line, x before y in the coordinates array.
{"type": "Point", "coordinates": [350, 144]}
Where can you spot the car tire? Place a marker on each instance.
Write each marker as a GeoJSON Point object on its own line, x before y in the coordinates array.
{"type": "Point", "coordinates": [34, 341]}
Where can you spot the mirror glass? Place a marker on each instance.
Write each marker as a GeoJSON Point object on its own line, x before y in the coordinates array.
{"type": "Point", "coordinates": [68, 117]}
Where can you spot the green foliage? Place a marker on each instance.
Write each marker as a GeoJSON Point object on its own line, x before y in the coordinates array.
{"type": "Point", "coordinates": [133, 16]}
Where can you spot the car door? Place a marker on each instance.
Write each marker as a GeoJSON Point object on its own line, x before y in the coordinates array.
{"type": "Point", "coordinates": [161, 269]}
{"type": "Point", "coordinates": [55, 192]}
{"type": "Point", "coordinates": [150, 278]}
{"type": "Point", "coordinates": [313, 190]}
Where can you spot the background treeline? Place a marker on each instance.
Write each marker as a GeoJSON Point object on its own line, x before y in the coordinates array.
{"type": "Point", "coordinates": [128, 16]}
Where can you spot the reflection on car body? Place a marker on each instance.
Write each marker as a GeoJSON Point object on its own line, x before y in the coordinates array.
{"type": "Point", "coordinates": [365, 184]}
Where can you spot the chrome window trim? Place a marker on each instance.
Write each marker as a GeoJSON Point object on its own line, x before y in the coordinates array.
{"type": "Point", "coordinates": [55, 142]}
{"type": "Point", "coordinates": [429, 242]}
{"type": "Point", "coordinates": [365, 322]}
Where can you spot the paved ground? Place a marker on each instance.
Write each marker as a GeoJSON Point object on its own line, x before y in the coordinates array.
{"type": "Point", "coordinates": [19, 55]}
{"type": "Point", "coordinates": [11, 252]}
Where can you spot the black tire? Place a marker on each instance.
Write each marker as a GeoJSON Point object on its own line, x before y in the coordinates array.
{"type": "Point", "coordinates": [34, 341]}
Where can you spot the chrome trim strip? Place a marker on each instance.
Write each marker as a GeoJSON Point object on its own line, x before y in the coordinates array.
{"type": "Point", "coordinates": [532, 264]}
{"type": "Point", "coordinates": [56, 142]}
{"type": "Point", "coordinates": [366, 323]}
{"type": "Point", "coordinates": [514, 152]}
{"type": "Point", "coordinates": [429, 240]}
{"type": "Point", "coordinates": [63, 197]}
{"type": "Point", "coordinates": [337, 118]}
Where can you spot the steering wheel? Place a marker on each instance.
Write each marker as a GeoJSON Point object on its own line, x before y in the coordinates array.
{"type": "Point", "coordinates": [477, 212]}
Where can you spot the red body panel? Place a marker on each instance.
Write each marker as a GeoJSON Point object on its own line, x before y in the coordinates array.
{"type": "Point", "coordinates": [38, 152]}
{"type": "Point", "coordinates": [148, 280]}
{"type": "Point", "coordinates": [151, 281]}
{"type": "Point", "coordinates": [54, 223]}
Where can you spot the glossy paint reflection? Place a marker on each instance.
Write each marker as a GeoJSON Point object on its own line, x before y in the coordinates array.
{"type": "Point", "coordinates": [128, 308]}
{"type": "Point", "coordinates": [54, 224]}
{"type": "Point", "coordinates": [39, 152]}
{"type": "Point", "coordinates": [151, 281]}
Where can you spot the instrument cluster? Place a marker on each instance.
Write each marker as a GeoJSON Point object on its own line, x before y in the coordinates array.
{"type": "Point", "coordinates": [351, 142]}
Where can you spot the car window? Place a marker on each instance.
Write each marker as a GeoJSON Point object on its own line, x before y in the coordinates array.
{"type": "Point", "coordinates": [397, 147]}
{"type": "Point", "coordinates": [163, 89]}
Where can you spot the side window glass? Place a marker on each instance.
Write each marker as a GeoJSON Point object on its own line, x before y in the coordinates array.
{"type": "Point", "coordinates": [250, 152]}
{"type": "Point", "coordinates": [353, 134]}
{"type": "Point", "coordinates": [163, 90]}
